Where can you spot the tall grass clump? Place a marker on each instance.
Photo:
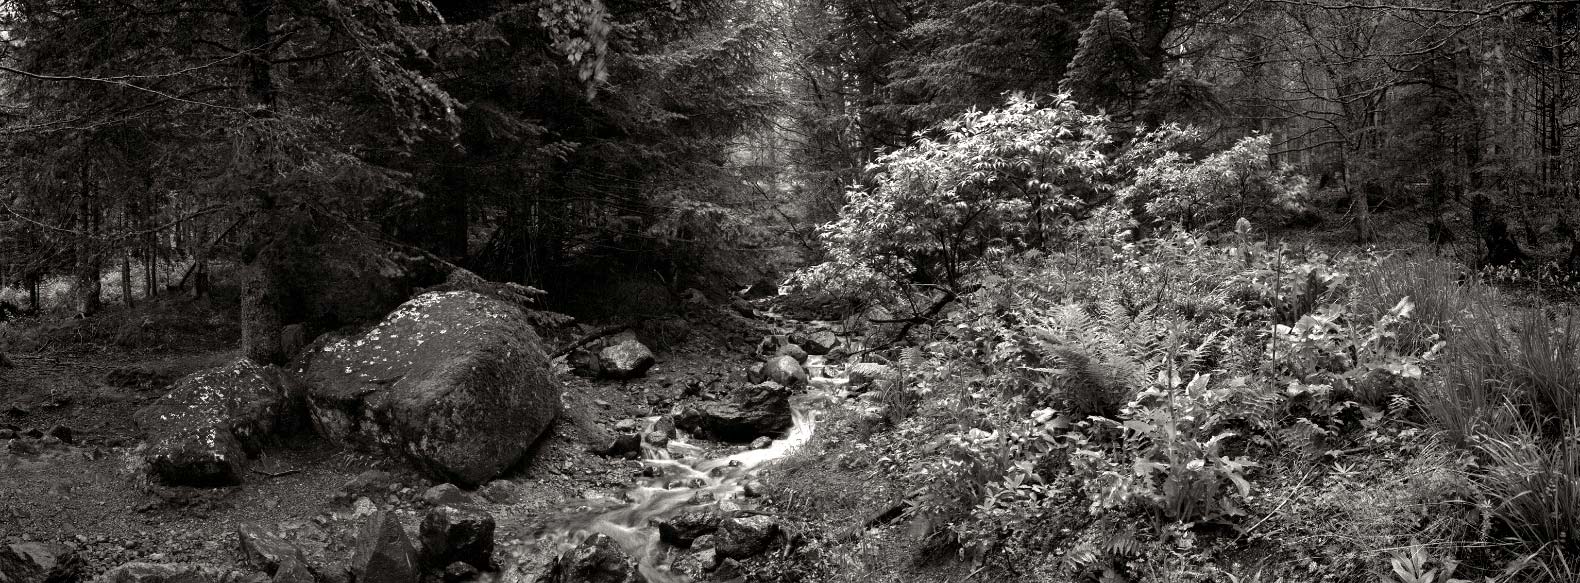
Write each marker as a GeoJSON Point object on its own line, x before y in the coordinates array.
{"type": "Point", "coordinates": [1507, 395]}
{"type": "Point", "coordinates": [1444, 293]}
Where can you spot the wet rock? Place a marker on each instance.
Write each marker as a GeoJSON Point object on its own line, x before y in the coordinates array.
{"type": "Point", "coordinates": [743, 308]}
{"type": "Point", "coordinates": [626, 426]}
{"type": "Point", "coordinates": [7, 434]}
{"type": "Point", "coordinates": [819, 342]}
{"type": "Point", "coordinates": [33, 433]}
{"type": "Point", "coordinates": [866, 373]}
{"type": "Point", "coordinates": [30, 562]}
{"type": "Point", "coordinates": [293, 571]}
{"type": "Point", "coordinates": [785, 371]}
{"type": "Point", "coordinates": [599, 560]}
{"type": "Point", "coordinates": [696, 565]}
{"type": "Point", "coordinates": [762, 442]}
{"type": "Point", "coordinates": [684, 529]}
{"type": "Point", "coordinates": [201, 432]}
{"type": "Point", "coordinates": [627, 359]}
{"type": "Point", "coordinates": [264, 551]}
{"type": "Point", "coordinates": [142, 572]}
{"type": "Point", "coordinates": [656, 439]}
{"type": "Point", "coordinates": [384, 553]}
{"type": "Point", "coordinates": [450, 535]}
{"type": "Point", "coordinates": [445, 494]}
{"type": "Point", "coordinates": [664, 424]}
{"type": "Point", "coordinates": [750, 412]}
{"type": "Point", "coordinates": [746, 537]}
{"type": "Point", "coordinates": [792, 351]}
{"type": "Point", "coordinates": [624, 445]}
{"type": "Point", "coordinates": [459, 572]}
{"type": "Point", "coordinates": [755, 374]}
{"type": "Point", "coordinates": [456, 382]}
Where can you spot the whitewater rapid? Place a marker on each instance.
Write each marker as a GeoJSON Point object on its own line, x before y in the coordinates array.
{"type": "Point", "coordinates": [682, 481]}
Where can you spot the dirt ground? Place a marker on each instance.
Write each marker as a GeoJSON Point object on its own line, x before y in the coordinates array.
{"type": "Point", "coordinates": [88, 494]}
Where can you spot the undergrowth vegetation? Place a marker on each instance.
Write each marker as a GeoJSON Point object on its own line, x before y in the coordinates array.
{"type": "Point", "coordinates": [1087, 405]}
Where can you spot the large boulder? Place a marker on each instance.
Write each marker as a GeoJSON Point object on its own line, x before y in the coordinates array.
{"type": "Point", "coordinates": [750, 412]}
{"type": "Point", "coordinates": [455, 381]}
{"type": "Point", "coordinates": [201, 432]}
{"type": "Point", "coordinates": [785, 371]}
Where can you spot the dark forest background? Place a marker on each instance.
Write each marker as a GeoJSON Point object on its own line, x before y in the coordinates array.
{"type": "Point", "coordinates": [580, 146]}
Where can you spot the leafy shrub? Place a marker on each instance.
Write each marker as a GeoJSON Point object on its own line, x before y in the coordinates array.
{"type": "Point", "coordinates": [1006, 178]}
{"type": "Point", "coordinates": [1238, 182]}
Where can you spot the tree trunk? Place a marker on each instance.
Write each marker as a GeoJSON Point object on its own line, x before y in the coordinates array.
{"type": "Point", "coordinates": [32, 292]}
{"type": "Point", "coordinates": [88, 288]}
{"type": "Point", "coordinates": [1363, 206]}
{"type": "Point", "coordinates": [260, 274]}
{"type": "Point", "coordinates": [126, 279]}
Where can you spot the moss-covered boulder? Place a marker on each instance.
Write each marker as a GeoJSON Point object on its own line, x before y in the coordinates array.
{"type": "Point", "coordinates": [202, 432]}
{"type": "Point", "coordinates": [456, 382]}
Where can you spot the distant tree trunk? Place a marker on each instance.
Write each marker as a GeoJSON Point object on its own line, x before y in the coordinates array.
{"type": "Point", "coordinates": [88, 289]}
{"type": "Point", "coordinates": [200, 279]}
{"type": "Point", "coordinates": [150, 250]}
{"type": "Point", "coordinates": [126, 279]}
{"type": "Point", "coordinates": [90, 264]}
{"type": "Point", "coordinates": [32, 291]}
{"type": "Point", "coordinates": [260, 274]}
{"type": "Point", "coordinates": [1362, 203]}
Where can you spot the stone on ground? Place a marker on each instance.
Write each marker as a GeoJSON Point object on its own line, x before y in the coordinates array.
{"type": "Point", "coordinates": [456, 382]}
{"type": "Point", "coordinates": [35, 562]}
{"type": "Point", "coordinates": [598, 560]}
{"type": "Point", "coordinates": [451, 535]}
{"type": "Point", "coordinates": [792, 351]}
{"type": "Point", "coordinates": [200, 433]}
{"type": "Point", "coordinates": [785, 371]}
{"type": "Point", "coordinates": [686, 528]}
{"type": "Point", "coordinates": [293, 571]}
{"type": "Point", "coordinates": [627, 359]}
{"type": "Point", "coordinates": [458, 572]}
{"type": "Point", "coordinates": [746, 537]}
{"type": "Point", "coordinates": [445, 495]}
{"type": "Point", "coordinates": [384, 553]}
{"type": "Point", "coordinates": [264, 551]}
{"type": "Point", "coordinates": [820, 342]}
{"type": "Point", "coordinates": [750, 412]}
{"type": "Point", "coordinates": [141, 572]}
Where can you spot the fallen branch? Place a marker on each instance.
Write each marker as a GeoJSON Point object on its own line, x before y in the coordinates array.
{"type": "Point", "coordinates": [589, 339]}
{"type": "Point", "coordinates": [277, 474]}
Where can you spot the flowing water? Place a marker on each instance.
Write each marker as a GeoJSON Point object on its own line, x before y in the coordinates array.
{"type": "Point", "coordinates": [683, 481]}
